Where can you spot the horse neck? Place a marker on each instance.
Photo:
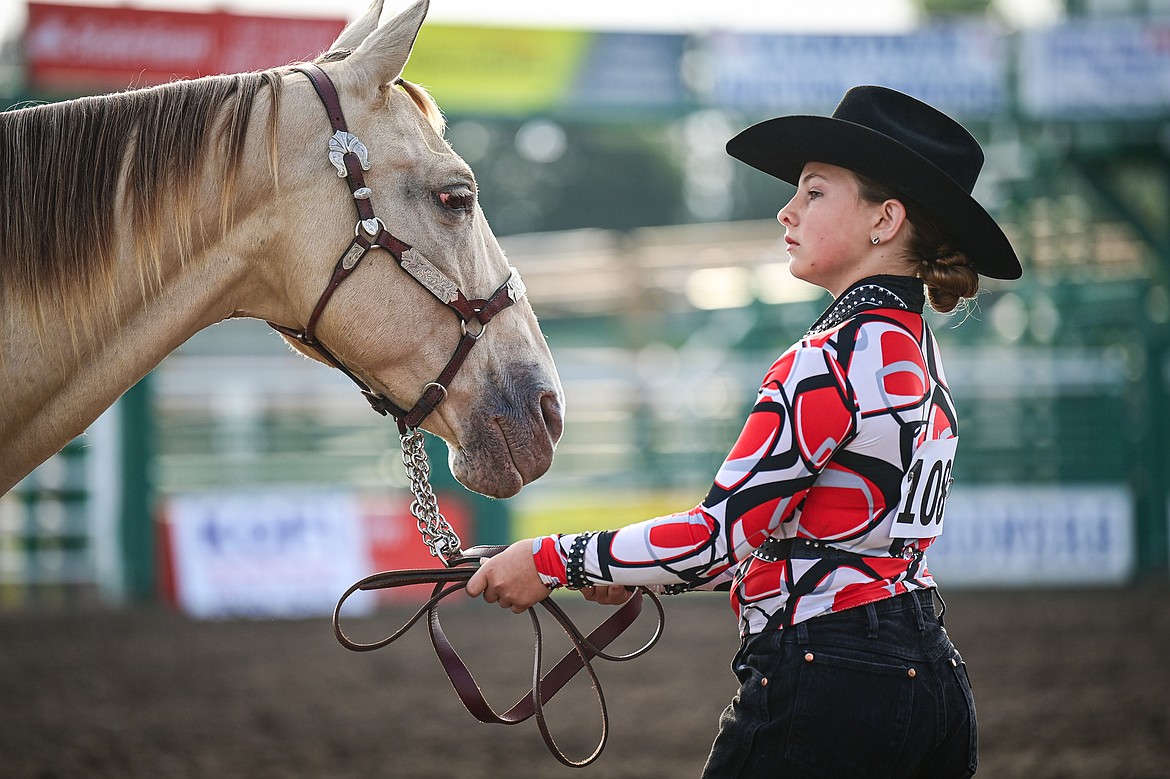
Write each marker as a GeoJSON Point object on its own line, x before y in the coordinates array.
{"type": "Point", "coordinates": [59, 375]}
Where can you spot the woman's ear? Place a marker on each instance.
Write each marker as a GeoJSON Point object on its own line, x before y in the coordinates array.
{"type": "Point", "coordinates": [891, 217]}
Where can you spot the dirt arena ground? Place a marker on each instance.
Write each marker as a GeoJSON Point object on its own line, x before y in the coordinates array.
{"type": "Point", "coordinates": [1068, 684]}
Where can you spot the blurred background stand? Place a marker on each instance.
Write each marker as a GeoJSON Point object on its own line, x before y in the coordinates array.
{"type": "Point", "coordinates": [659, 275]}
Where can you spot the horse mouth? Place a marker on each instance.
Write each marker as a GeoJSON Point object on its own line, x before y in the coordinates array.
{"type": "Point", "coordinates": [499, 478]}
{"type": "Point", "coordinates": [505, 454]}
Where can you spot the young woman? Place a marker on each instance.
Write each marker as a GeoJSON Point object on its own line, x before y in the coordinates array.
{"type": "Point", "coordinates": [820, 517]}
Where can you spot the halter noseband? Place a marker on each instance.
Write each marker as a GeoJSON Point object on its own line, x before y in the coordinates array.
{"type": "Point", "coordinates": [350, 157]}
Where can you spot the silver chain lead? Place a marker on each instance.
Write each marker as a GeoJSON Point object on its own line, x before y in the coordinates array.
{"type": "Point", "coordinates": [436, 531]}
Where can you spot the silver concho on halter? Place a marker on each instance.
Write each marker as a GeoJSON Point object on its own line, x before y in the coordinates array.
{"type": "Point", "coordinates": [516, 288]}
{"type": "Point", "coordinates": [343, 142]}
{"type": "Point", "coordinates": [429, 276]}
{"type": "Point", "coordinates": [353, 256]}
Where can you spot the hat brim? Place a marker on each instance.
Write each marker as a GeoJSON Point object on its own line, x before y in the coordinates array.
{"type": "Point", "coordinates": [781, 147]}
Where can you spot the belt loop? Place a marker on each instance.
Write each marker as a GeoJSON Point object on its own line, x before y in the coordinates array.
{"type": "Point", "coordinates": [801, 632]}
{"type": "Point", "coordinates": [918, 608]}
{"type": "Point", "coordinates": [871, 620]}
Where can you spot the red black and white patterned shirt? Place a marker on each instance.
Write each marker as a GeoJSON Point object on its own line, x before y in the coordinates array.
{"type": "Point", "coordinates": [847, 452]}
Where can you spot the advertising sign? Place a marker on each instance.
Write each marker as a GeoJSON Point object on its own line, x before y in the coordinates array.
{"type": "Point", "coordinates": [511, 71]}
{"type": "Point", "coordinates": [74, 48]}
{"type": "Point", "coordinates": [289, 553]}
{"type": "Point", "coordinates": [1097, 68]}
{"type": "Point", "coordinates": [961, 69]}
{"type": "Point", "coordinates": [1021, 535]}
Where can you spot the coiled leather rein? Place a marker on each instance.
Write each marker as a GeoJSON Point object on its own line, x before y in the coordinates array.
{"type": "Point", "coordinates": [451, 580]}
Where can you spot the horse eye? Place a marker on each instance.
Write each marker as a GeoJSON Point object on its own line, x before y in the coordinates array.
{"type": "Point", "coordinates": [457, 200]}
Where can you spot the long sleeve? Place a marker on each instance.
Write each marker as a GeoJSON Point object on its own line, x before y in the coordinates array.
{"type": "Point", "coordinates": [849, 448]}
{"type": "Point", "coordinates": [804, 412]}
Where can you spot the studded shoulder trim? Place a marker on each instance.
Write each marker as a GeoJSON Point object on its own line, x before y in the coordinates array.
{"type": "Point", "coordinates": [901, 292]}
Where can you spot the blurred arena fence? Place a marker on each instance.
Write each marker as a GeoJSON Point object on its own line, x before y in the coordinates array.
{"type": "Point", "coordinates": [237, 459]}
{"type": "Point", "coordinates": [241, 479]}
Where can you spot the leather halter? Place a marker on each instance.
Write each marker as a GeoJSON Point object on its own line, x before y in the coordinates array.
{"type": "Point", "coordinates": [349, 156]}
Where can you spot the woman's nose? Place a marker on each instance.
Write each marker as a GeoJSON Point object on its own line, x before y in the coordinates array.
{"type": "Point", "coordinates": [784, 215]}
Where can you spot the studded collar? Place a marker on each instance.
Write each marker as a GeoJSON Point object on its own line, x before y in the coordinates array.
{"type": "Point", "coordinates": [884, 291]}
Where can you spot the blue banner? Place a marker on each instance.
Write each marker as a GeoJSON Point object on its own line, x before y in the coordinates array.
{"type": "Point", "coordinates": [1108, 68]}
{"type": "Point", "coordinates": [962, 69]}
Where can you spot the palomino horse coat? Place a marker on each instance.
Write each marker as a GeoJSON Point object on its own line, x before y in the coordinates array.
{"type": "Point", "coordinates": [133, 220]}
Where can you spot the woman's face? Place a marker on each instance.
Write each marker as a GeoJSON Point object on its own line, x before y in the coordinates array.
{"type": "Point", "coordinates": [828, 229]}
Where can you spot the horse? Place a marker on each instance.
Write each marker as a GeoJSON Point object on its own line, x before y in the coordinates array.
{"type": "Point", "coordinates": [135, 219]}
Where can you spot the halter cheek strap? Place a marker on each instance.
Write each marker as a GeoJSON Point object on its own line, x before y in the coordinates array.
{"type": "Point", "coordinates": [350, 157]}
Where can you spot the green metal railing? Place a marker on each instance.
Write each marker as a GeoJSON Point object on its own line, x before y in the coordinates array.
{"type": "Point", "coordinates": [45, 533]}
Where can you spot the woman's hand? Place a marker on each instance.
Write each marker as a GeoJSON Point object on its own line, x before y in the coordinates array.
{"type": "Point", "coordinates": [606, 594]}
{"type": "Point", "coordinates": [509, 579]}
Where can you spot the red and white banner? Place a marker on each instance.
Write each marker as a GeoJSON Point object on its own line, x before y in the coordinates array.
{"type": "Point", "coordinates": [290, 552]}
{"type": "Point", "coordinates": [74, 48]}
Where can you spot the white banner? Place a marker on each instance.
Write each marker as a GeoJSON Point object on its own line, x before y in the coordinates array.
{"type": "Point", "coordinates": [280, 554]}
{"type": "Point", "coordinates": [1009, 536]}
{"type": "Point", "coordinates": [1116, 68]}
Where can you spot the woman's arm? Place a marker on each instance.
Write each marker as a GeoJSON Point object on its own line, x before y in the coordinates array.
{"type": "Point", "coordinates": [804, 412]}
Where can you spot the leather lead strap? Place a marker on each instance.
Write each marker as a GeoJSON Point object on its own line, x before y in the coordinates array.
{"type": "Point", "coordinates": [448, 581]}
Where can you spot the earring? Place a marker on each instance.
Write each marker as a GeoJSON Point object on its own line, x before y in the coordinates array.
{"type": "Point", "coordinates": [875, 240]}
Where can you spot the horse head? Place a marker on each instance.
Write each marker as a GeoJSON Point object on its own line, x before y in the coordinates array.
{"type": "Point", "coordinates": [134, 220]}
{"type": "Point", "coordinates": [501, 413]}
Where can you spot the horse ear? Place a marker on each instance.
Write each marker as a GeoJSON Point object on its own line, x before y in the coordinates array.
{"type": "Point", "coordinates": [382, 55]}
{"type": "Point", "coordinates": [356, 31]}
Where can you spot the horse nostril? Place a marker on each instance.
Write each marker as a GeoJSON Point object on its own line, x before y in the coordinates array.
{"type": "Point", "coordinates": [550, 408]}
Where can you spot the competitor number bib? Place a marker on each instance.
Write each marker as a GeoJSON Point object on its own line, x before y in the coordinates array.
{"type": "Point", "coordinates": [924, 491]}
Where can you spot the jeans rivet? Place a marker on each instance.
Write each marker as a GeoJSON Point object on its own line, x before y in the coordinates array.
{"type": "Point", "coordinates": [764, 682]}
{"type": "Point", "coordinates": [808, 657]}
{"type": "Point", "coordinates": [911, 673]}
{"type": "Point", "coordinates": [954, 663]}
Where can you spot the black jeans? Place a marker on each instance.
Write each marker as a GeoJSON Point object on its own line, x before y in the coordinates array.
{"type": "Point", "coordinates": [873, 692]}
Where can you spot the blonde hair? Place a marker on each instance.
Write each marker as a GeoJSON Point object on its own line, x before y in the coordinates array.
{"type": "Point", "coordinates": [68, 160]}
{"type": "Point", "coordinates": [944, 269]}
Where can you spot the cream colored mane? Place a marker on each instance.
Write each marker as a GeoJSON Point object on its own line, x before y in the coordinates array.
{"type": "Point", "coordinates": [78, 162]}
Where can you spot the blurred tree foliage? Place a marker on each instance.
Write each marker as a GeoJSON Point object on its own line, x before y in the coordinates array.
{"type": "Point", "coordinates": [952, 7]}
{"type": "Point", "coordinates": [609, 176]}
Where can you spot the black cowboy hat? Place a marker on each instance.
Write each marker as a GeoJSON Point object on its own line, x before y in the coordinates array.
{"type": "Point", "coordinates": [899, 142]}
